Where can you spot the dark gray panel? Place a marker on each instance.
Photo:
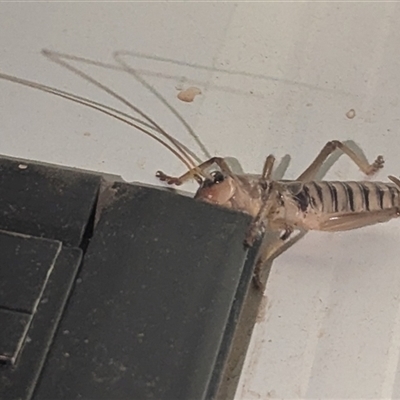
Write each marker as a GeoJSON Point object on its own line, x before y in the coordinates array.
{"type": "Point", "coordinates": [148, 315]}
{"type": "Point", "coordinates": [25, 264]}
{"type": "Point", "coordinates": [18, 382]}
{"type": "Point", "coordinates": [46, 201]}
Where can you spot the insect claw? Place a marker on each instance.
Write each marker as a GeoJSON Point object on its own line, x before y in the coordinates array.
{"type": "Point", "coordinates": [376, 165]}
{"type": "Point", "coordinates": [170, 180]}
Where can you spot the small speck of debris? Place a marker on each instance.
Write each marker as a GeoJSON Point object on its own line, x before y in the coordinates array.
{"type": "Point", "coordinates": [188, 94]}
{"type": "Point", "coordinates": [66, 355]}
{"type": "Point", "coordinates": [351, 114]}
{"type": "Point", "coordinates": [308, 104]}
{"type": "Point", "coordinates": [86, 134]}
{"type": "Point", "coordinates": [22, 166]}
{"type": "Point", "coordinates": [66, 332]}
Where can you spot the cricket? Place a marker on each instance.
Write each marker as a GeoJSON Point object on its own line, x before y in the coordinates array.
{"type": "Point", "coordinates": [281, 206]}
{"type": "Point", "coordinates": [301, 205]}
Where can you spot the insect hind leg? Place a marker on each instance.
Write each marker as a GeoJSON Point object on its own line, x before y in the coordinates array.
{"type": "Point", "coordinates": [273, 249]}
{"type": "Point", "coordinates": [349, 221]}
{"type": "Point", "coordinates": [368, 169]}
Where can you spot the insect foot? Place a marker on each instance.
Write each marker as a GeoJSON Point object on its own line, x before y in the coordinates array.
{"type": "Point", "coordinates": [376, 165]}
{"type": "Point", "coordinates": [170, 180]}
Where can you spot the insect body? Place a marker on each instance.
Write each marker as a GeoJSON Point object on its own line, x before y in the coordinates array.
{"type": "Point", "coordinates": [324, 206]}
{"type": "Point", "coordinates": [303, 204]}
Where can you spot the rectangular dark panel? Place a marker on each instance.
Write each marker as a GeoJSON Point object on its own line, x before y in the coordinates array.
{"type": "Point", "coordinates": [149, 312]}
{"type": "Point", "coordinates": [25, 264]}
{"type": "Point", "coordinates": [46, 201]}
{"type": "Point", "coordinates": [18, 381]}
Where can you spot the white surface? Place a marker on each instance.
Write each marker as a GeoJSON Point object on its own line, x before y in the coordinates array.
{"type": "Point", "coordinates": [276, 78]}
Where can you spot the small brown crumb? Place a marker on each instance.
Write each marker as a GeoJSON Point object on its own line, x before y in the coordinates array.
{"type": "Point", "coordinates": [351, 114]}
{"type": "Point", "coordinates": [189, 94]}
{"type": "Point", "coordinates": [86, 134]}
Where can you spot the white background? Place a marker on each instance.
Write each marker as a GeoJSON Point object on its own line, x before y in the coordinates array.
{"type": "Point", "coordinates": [275, 78]}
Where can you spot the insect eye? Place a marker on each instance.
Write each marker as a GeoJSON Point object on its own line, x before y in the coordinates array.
{"type": "Point", "coordinates": [218, 176]}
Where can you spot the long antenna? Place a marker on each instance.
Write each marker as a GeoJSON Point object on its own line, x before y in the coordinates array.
{"type": "Point", "coordinates": [55, 58]}
{"type": "Point", "coordinates": [127, 68]}
{"type": "Point", "coordinates": [181, 153]}
{"type": "Point", "coordinates": [124, 67]}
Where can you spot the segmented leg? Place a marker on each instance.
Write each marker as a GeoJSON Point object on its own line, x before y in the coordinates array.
{"type": "Point", "coordinates": [344, 222]}
{"type": "Point", "coordinates": [268, 167]}
{"type": "Point", "coordinates": [274, 249]}
{"type": "Point", "coordinates": [257, 227]}
{"type": "Point", "coordinates": [195, 173]}
{"type": "Point", "coordinates": [328, 149]}
{"type": "Point", "coordinates": [268, 255]}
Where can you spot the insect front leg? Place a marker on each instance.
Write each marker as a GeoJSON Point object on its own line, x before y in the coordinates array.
{"type": "Point", "coordinates": [195, 173]}
{"type": "Point", "coordinates": [368, 169]}
{"type": "Point", "coordinates": [268, 168]}
{"type": "Point", "coordinates": [270, 194]}
{"type": "Point", "coordinates": [257, 227]}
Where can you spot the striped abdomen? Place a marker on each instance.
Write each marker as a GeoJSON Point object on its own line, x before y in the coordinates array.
{"type": "Point", "coordinates": [344, 197]}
